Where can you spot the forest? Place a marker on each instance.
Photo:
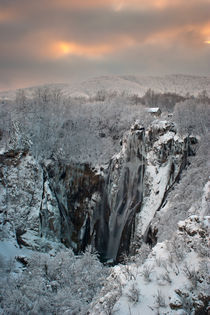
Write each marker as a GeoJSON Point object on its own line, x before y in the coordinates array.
{"type": "Point", "coordinates": [50, 278]}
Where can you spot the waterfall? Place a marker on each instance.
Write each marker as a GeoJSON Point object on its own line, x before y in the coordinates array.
{"type": "Point", "coordinates": [124, 193]}
{"type": "Point", "coordinates": [102, 208]}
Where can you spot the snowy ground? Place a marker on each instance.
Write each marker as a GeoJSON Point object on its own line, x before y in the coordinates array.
{"type": "Point", "coordinates": [172, 280]}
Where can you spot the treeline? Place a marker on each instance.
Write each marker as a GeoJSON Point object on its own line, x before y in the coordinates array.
{"type": "Point", "coordinates": [51, 124]}
{"type": "Point", "coordinates": [166, 101]}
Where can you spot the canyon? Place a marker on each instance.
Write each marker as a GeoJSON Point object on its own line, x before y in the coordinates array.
{"type": "Point", "coordinates": [78, 204]}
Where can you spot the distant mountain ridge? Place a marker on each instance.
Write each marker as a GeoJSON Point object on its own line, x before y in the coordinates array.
{"type": "Point", "coordinates": [176, 83]}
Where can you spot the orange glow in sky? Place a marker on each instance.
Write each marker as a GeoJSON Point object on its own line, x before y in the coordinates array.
{"type": "Point", "coordinates": [61, 49]}
{"type": "Point", "coordinates": [6, 15]}
{"type": "Point", "coordinates": [61, 39]}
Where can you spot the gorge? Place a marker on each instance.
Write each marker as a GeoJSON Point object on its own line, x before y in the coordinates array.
{"type": "Point", "coordinates": [78, 204]}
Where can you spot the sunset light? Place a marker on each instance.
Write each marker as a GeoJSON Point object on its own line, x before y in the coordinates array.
{"type": "Point", "coordinates": [62, 49]}
{"type": "Point", "coordinates": [104, 157]}
{"type": "Point", "coordinates": [64, 39]}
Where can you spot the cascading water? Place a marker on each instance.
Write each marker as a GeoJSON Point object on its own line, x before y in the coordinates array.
{"type": "Point", "coordinates": [110, 209]}
{"type": "Point", "coordinates": [124, 194]}
{"type": "Point", "coordinates": [79, 205]}
{"type": "Point", "coordinates": [137, 182]}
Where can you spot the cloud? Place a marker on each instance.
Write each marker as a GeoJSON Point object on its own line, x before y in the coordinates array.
{"type": "Point", "coordinates": [105, 36]}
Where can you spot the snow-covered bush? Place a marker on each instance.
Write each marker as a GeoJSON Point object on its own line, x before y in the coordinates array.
{"type": "Point", "coordinates": [54, 285]}
{"type": "Point", "coordinates": [134, 294]}
{"type": "Point", "coordinates": [146, 272]}
{"type": "Point", "coordinates": [160, 299]}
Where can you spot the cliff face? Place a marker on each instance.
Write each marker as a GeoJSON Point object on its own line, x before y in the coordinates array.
{"type": "Point", "coordinates": [137, 183]}
{"type": "Point", "coordinates": [77, 191]}
{"type": "Point", "coordinates": [21, 187]}
{"type": "Point", "coordinates": [77, 205]}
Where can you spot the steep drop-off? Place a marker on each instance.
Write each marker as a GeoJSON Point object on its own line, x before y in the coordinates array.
{"type": "Point", "coordinates": [76, 188]}
{"type": "Point", "coordinates": [77, 204]}
{"type": "Point", "coordinates": [136, 186]}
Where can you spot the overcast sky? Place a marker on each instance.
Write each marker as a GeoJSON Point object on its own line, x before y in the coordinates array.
{"type": "Point", "coordinates": [47, 41]}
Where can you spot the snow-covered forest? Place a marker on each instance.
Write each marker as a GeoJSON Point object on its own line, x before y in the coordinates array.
{"type": "Point", "coordinates": [104, 206]}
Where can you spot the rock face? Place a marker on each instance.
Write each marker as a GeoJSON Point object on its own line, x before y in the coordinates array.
{"type": "Point", "coordinates": [21, 187]}
{"type": "Point", "coordinates": [75, 204]}
{"type": "Point", "coordinates": [138, 180]}
{"type": "Point", "coordinates": [76, 189]}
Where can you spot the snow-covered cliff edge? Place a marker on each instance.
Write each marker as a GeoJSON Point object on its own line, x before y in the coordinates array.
{"type": "Point", "coordinates": [77, 204]}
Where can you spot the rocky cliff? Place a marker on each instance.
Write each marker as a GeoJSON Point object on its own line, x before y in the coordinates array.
{"type": "Point", "coordinates": [78, 204]}
{"type": "Point", "coordinates": [136, 185]}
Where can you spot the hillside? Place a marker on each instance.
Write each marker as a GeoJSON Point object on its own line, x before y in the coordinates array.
{"type": "Point", "coordinates": [104, 207]}
{"type": "Point", "coordinates": [180, 84]}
